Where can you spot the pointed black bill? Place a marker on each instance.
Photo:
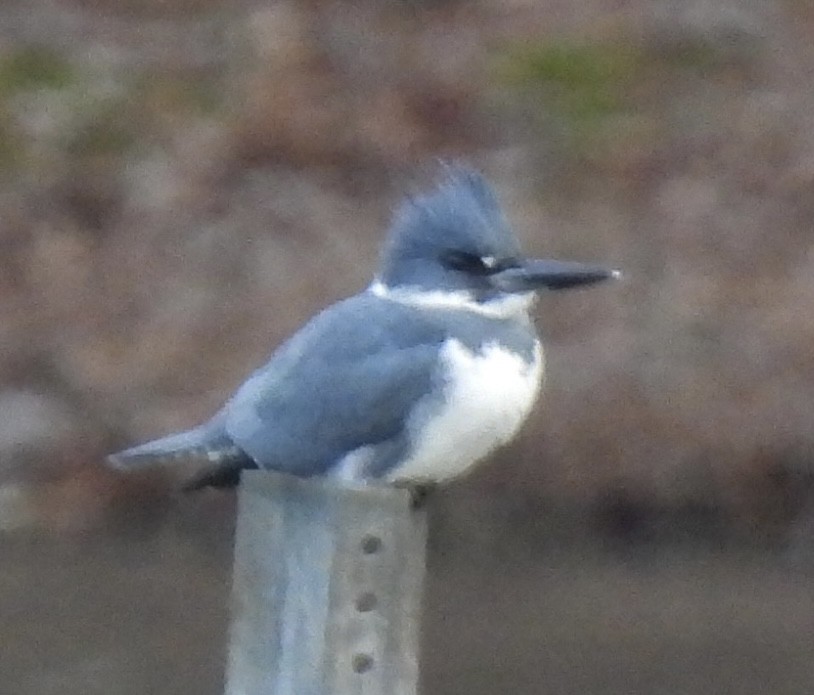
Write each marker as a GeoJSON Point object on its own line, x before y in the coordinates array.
{"type": "Point", "coordinates": [536, 274]}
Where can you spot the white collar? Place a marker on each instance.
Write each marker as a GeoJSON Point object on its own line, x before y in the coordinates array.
{"type": "Point", "coordinates": [504, 307]}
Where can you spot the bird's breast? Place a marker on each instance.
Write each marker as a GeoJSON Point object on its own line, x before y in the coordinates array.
{"type": "Point", "coordinates": [486, 395]}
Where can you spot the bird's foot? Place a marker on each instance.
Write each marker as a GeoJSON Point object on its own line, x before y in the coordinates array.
{"type": "Point", "coordinates": [419, 493]}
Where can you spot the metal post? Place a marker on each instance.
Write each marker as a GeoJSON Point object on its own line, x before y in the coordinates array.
{"type": "Point", "coordinates": [327, 589]}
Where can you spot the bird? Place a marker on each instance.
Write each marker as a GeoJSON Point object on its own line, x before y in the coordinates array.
{"type": "Point", "coordinates": [412, 381]}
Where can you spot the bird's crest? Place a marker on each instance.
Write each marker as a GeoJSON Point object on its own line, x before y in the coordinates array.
{"type": "Point", "coordinates": [461, 214]}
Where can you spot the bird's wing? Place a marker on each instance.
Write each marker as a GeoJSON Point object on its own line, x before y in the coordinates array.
{"type": "Point", "coordinates": [348, 379]}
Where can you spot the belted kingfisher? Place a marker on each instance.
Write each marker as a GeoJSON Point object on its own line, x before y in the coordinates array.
{"type": "Point", "coordinates": [410, 382]}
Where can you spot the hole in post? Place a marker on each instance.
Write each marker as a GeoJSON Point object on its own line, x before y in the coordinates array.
{"type": "Point", "coordinates": [362, 663]}
{"type": "Point", "coordinates": [371, 544]}
{"type": "Point", "coordinates": [366, 602]}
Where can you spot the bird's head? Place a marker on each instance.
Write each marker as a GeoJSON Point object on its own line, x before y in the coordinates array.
{"type": "Point", "coordinates": [456, 243]}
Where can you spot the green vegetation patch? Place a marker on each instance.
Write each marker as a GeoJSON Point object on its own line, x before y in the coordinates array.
{"type": "Point", "coordinates": [11, 150]}
{"type": "Point", "coordinates": [602, 94]}
{"type": "Point", "coordinates": [584, 82]}
{"type": "Point", "coordinates": [34, 67]}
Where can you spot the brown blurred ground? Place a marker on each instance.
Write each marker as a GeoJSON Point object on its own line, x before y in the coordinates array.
{"type": "Point", "coordinates": [183, 183]}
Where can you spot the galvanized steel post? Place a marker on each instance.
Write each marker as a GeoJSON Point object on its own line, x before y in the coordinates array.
{"type": "Point", "coordinates": [327, 589]}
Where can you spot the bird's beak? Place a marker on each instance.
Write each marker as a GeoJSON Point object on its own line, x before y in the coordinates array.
{"type": "Point", "coordinates": [536, 274]}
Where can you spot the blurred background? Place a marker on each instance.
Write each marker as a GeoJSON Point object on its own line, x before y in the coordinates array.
{"type": "Point", "coordinates": [184, 182]}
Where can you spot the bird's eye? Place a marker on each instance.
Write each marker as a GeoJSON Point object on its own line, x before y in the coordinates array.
{"type": "Point", "coordinates": [469, 263]}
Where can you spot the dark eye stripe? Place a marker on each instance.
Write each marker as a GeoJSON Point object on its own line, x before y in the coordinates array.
{"type": "Point", "coordinates": [466, 263]}
{"type": "Point", "coordinates": [475, 265]}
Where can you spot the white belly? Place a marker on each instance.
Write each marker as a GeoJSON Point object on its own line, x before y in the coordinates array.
{"type": "Point", "coordinates": [489, 394]}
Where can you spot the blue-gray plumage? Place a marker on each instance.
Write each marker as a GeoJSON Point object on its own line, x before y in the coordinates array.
{"type": "Point", "coordinates": [411, 381]}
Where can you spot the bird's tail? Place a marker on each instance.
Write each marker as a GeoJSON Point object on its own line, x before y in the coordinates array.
{"type": "Point", "coordinates": [208, 444]}
{"type": "Point", "coordinates": [198, 444]}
